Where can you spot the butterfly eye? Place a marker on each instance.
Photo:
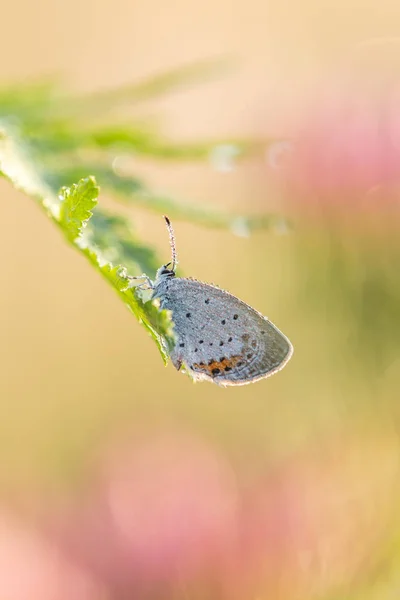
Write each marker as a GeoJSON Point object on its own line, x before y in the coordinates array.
{"type": "Point", "coordinates": [166, 270]}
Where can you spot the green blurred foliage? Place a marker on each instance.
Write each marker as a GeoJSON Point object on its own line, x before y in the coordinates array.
{"type": "Point", "coordinates": [352, 280]}
{"type": "Point", "coordinates": [70, 137]}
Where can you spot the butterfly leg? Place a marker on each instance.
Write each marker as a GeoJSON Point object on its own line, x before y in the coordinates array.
{"type": "Point", "coordinates": [177, 359]}
{"type": "Point", "coordinates": [146, 285]}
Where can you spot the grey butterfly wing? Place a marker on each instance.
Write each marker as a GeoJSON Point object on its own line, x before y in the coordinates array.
{"type": "Point", "coordinates": [219, 337]}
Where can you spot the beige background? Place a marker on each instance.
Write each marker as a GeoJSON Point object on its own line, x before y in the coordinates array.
{"type": "Point", "coordinates": [75, 366]}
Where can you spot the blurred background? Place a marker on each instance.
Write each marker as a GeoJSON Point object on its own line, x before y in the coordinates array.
{"type": "Point", "coordinates": [119, 477]}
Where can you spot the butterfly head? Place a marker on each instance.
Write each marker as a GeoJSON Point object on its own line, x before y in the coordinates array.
{"type": "Point", "coordinates": [164, 272]}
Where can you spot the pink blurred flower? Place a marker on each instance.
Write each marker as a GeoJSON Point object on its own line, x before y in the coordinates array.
{"type": "Point", "coordinates": [351, 142]}
{"type": "Point", "coordinates": [167, 518]}
{"type": "Point", "coordinates": [33, 568]}
{"type": "Point", "coordinates": [347, 145]}
{"type": "Point", "coordinates": [163, 511]}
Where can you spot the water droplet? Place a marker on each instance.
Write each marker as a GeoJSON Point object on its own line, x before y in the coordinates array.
{"type": "Point", "coordinates": [281, 227]}
{"type": "Point", "coordinates": [240, 227]}
{"type": "Point", "coordinates": [122, 165]}
{"type": "Point", "coordinates": [223, 157]}
{"type": "Point", "coordinates": [278, 154]}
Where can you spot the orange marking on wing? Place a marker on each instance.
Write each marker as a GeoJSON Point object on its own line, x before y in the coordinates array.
{"type": "Point", "coordinates": [217, 365]}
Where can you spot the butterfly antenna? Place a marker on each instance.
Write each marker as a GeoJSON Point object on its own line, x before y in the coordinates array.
{"type": "Point", "coordinates": [172, 243]}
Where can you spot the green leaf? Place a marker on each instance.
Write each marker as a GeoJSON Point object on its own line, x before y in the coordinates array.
{"type": "Point", "coordinates": [157, 322]}
{"type": "Point", "coordinates": [19, 167]}
{"type": "Point", "coordinates": [77, 203]}
{"type": "Point", "coordinates": [114, 237]}
{"type": "Point", "coordinates": [72, 212]}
